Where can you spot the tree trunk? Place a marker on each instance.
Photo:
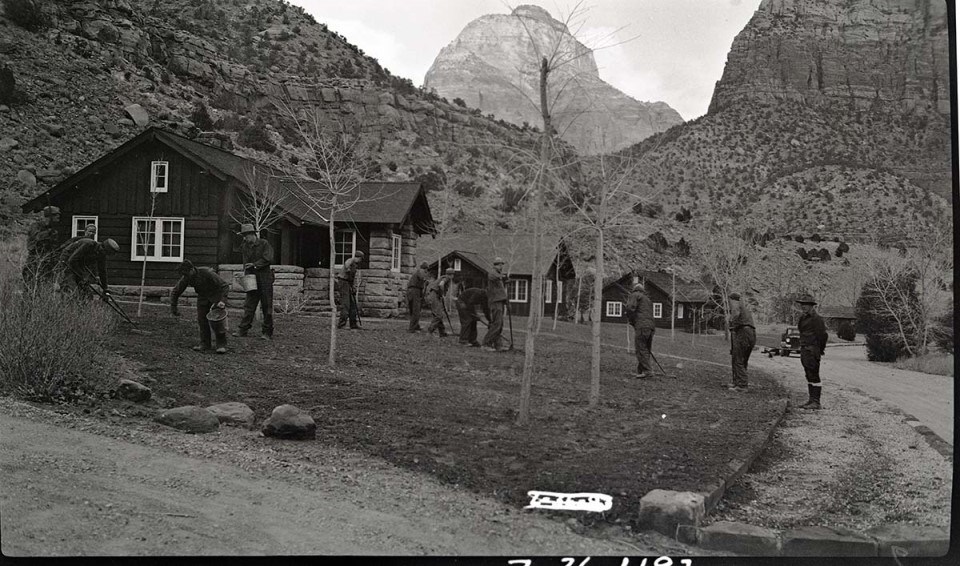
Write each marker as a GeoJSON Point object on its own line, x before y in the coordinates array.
{"type": "Point", "coordinates": [576, 313]}
{"type": "Point", "coordinates": [143, 270]}
{"type": "Point", "coordinates": [559, 299]}
{"type": "Point", "coordinates": [332, 356]}
{"type": "Point", "coordinates": [597, 300]}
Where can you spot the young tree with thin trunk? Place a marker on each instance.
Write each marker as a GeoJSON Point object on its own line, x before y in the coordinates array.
{"type": "Point", "coordinates": [262, 204]}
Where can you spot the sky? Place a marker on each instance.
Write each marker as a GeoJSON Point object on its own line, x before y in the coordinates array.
{"type": "Point", "coordinates": [653, 50]}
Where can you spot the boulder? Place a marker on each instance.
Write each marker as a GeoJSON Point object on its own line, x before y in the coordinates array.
{"type": "Point", "coordinates": [137, 114]}
{"type": "Point", "coordinates": [112, 129]}
{"type": "Point", "coordinates": [190, 419]}
{"type": "Point", "coordinates": [663, 510]}
{"type": "Point", "coordinates": [233, 413]}
{"type": "Point", "coordinates": [26, 178]}
{"type": "Point", "coordinates": [55, 130]}
{"type": "Point", "coordinates": [287, 421]}
{"type": "Point", "coordinates": [6, 144]}
{"type": "Point", "coordinates": [132, 391]}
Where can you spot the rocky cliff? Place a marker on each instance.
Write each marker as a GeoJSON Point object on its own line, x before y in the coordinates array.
{"type": "Point", "coordinates": [493, 65]}
{"type": "Point", "coordinates": [868, 54]}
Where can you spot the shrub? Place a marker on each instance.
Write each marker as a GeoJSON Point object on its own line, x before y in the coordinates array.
{"type": "Point", "coordinates": [943, 331]}
{"type": "Point", "coordinates": [883, 338]}
{"type": "Point", "coordinates": [459, 102]}
{"type": "Point", "coordinates": [53, 344]}
{"type": "Point", "coordinates": [201, 117]}
{"type": "Point", "coordinates": [27, 14]}
{"type": "Point", "coordinates": [255, 136]}
{"type": "Point", "coordinates": [847, 331]}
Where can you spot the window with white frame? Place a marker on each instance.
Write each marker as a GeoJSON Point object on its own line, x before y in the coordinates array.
{"type": "Point", "coordinates": [159, 176]}
{"type": "Point", "coordinates": [518, 290]}
{"type": "Point", "coordinates": [157, 239]}
{"type": "Point", "coordinates": [395, 257]}
{"type": "Point", "coordinates": [559, 291]}
{"type": "Point", "coordinates": [548, 291]}
{"type": "Point", "coordinates": [456, 264]}
{"type": "Point", "coordinates": [80, 224]}
{"type": "Point", "coordinates": [345, 243]}
{"type": "Point", "coordinates": [657, 310]}
{"type": "Point", "coordinates": [614, 308]}
{"type": "Point", "coordinates": [680, 310]}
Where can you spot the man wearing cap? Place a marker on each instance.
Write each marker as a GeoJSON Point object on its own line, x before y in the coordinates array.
{"type": "Point", "coordinates": [415, 289]}
{"type": "Point", "coordinates": [436, 293]}
{"type": "Point", "coordinates": [813, 343]}
{"type": "Point", "coordinates": [89, 233]}
{"type": "Point", "coordinates": [257, 255]}
{"type": "Point", "coordinates": [211, 290]}
{"type": "Point", "coordinates": [42, 241]}
{"type": "Point", "coordinates": [639, 312]}
{"type": "Point", "coordinates": [81, 259]}
{"type": "Point", "coordinates": [743, 337]}
{"type": "Point", "coordinates": [347, 281]}
{"type": "Point", "coordinates": [497, 299]}
{"type": "Point", "coordinates": [467, 304]}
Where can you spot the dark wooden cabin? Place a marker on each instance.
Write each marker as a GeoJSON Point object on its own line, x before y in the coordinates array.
{"type": "Point", "coordinates": [691, 299]}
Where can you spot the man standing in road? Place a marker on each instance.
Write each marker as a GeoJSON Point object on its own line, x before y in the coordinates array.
{"type": "Point", "coordinates": [257, 256]}
{"type": "Point", "coordinates": [639, 310]}
{"type": "Point", "coordinates": [743, 337]}
{"type": "Point", "coordinates": [497, 298]}
{"type": "Point", "coordinates": [81, 260]}
{"type": "Point", "coordinates": [211, 290]}
{"type": "Point", "coordinates": [436, 294]}
{"type": "Point", "coordinates": [415, 288]}
{"type": "Point", "coordinates": [347, 282]}
{"type": "Point", "coordinates": [813, 343]}
{"type": "Point", "coordinates": [467, 304]}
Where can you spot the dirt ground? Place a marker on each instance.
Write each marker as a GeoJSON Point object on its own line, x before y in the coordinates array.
{"type": "Point", "coordinates": [432, 406]}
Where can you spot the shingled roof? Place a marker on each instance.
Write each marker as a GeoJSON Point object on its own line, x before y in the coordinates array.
{"type": "Point", "coordinates": [515, 249]}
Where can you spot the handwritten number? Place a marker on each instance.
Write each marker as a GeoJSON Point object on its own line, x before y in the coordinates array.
{"type": "Point", "coordinates": [569, 561]}
{"type": "Point", "coordinates": [524, 562]}
{"type": "Point", "coordinates": [663, 561]}
{"type": "Point", "coordinates": [686, 562]}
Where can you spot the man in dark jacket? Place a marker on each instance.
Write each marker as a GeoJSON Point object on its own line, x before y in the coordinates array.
{"type": "Point", "coordinates": [89, 233]}
{"type": "Point", "coordinates": [639, 311]}
{"type": "Point", "coordinates": [743, 337]}
{"type": "Point", "coordinates": [415, 289]}
{"type": "Point", "coordinates": [81, 260]}
{"type": "Point", "coordinates": [43, 238]}
{"type": "Point", "coordinates": [436, 295]}
{"type": "Point", "coordinates": [347, 283]}
{"type": "Point", "coordinates": [813, 343]}
{"type": "Point", "coordinates": [467, 304]}
{"type": "Point", "coordinates": [497, 299]}
{"type": "Point", "coordinates": [257, 255]}
{"type": "Point", "coordinates": [211, 290]}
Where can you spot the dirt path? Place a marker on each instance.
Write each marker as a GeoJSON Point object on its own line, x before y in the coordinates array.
{"type": "Point", "coordinates": [79, 486]}
{"type": "Point", "coordinates": [927, 397]}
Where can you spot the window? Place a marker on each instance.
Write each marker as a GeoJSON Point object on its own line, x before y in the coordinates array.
{"type": "Point", "coordinates": [680, 310]}
{"type": "Point", "coordinates": [456, 264]}
{"type": "Point", "coordinates": [548, 292]}
{"type": "Point", "coordinates": [80, 224]}
{"type": "Point", "coordinates": [395, 258]}
{"type": "Point", "coordinates": [158, 177]}
{"type": "Point", "coordinates": [559, 291]}
{"type": "Point", "coordinates": [657, 310]}
{"type": "Point", "coordinates": [614, 308]}
{"type": "Point", "coordinates": [517, 290]}
{"type": "Point", "coordinates": [345, 243]}
{"type": "Point", "coordinates": [157, 239]}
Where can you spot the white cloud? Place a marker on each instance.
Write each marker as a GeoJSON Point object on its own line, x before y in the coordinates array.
{"type": "Point", "coordinates": [377, 43]}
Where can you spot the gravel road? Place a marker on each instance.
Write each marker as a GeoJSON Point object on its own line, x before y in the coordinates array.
{"type": "Point", "coordinates": [75, 485]}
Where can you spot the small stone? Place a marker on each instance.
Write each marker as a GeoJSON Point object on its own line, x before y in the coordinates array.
{"type": "Point", "coordinates": [133, 391]}
{"type": "Point", "coordinates": [287, 421]}
{"type": "Point", "coordinates": [125, 122]}
{"type": "Point", "coordinates": [26, 178]}
{"type": "Point", "coordinates": [55, 130]}
{"type": "Point", "coordinates": [233, 414]}
{"type": "Point", "coordinates": [190, 419]}
{"type": "Point", "coordinates": [112, 129]}
{"type": "Point", "coordinates": [4, 108]}
{"type": "Point", "coordinates": [6, 144]}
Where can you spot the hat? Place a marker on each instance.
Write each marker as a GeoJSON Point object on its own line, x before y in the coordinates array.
{"type": "Point", "coordinates": [111, 244]}
{"type": "Point", "coordinates": [498, 261]}
{"type": "Point", "coordinates": [449, 271]}
{"type": "Point", "coordinates": [185, 267]}
{"type": "Point", "coordinates": [50, 210]}
{"type": "Point", "coordinates": [361, 254]}
{"type": "Point", "coordinates": [424, 265]}
{"type": "Point", "coordinates": [247, 228]}
{"type": "Point", "coordinates": [734, 296]}
{"type": "Point", "coordinates": [806, 300]}
{"type": "Point", "coordinates": [90, 228]}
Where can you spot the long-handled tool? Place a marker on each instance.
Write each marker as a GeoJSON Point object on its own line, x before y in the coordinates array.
{"type": "Point", "coordinates": [105, 296]}
{"type": "Point", "coordinates": [510, 322]}
{"type": "Point", "coordinates": [660, 366]}
{"type": "Point", "coordinates": [356, 305]}
{"type": "Point", "coordinates": [443, 303]}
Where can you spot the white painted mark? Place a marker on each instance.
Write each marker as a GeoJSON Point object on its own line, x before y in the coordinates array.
{"type": "Point", "coordinates": [594, 502]}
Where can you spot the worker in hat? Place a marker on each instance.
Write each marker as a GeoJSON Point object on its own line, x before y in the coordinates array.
{"type": "Point", "coordinates": [436, 295]}
{"type": "Point", "coordinates": [743, 337]}
{"type": "Point", "coordinates": [211, 290]}
{"type": "Point", "coordinates": [348, 281]}
{"type": "Point", "coordinates": [415, 290]}
{"type": "Point", "coordinates": [497, 299]}
{"type": "Point", "coordinates": [639, 313]}
{"type": "Point", "coordinates": [81, 260]}
{"type": "Point", "coordinates": [257, 254]}
{"type": "Point", "coordinates": [43, 239]}
{"type": "Point", "coordinates": [813, 343]}
{"type": "Point", "coordinates": [468, 303]}
{"type": "Point", "coordinates": [89, 233]}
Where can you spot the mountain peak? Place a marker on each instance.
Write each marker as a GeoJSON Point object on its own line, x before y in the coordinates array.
{"type": "Point", "coordinates": [533, 12]}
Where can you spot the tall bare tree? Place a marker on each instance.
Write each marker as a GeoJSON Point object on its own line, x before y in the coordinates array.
{"type": "Point", "coordinates": [262, 204]}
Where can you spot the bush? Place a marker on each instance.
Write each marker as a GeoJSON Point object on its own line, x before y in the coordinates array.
{"type": "Point", "coordinates": [943, 331]}
{"type": "Point", "coordinates": [53, 344]}
{"type": "Point", "coordinates": [847, 331]}
{"type": "Point", "coordinates": [255, 136]}
{"type": "Point", "coordinates": [27, 14]}
{"type": "Point", "coordinates": [884, 342]}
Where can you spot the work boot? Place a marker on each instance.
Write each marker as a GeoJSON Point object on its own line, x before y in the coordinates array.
{"type": "Point", "coordinates": [221, 350]}
{"type": "Point", "coordinates": [239, 334]}
{"type": "Point", "coordinates": [201, 348]}
{"type": "Point", "coordinates": [813, 403]}
{"type": "Point", "coordinates": [642, 375]}
{"type": "Point", "coordinates": [487, 349]}
{"type": "Point", "coordinates": [341, 324]}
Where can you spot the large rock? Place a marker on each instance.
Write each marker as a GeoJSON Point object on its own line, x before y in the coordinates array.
{"type": "Point", "coordinates": [26, 178]}
{"type": "Point", "coordinates": [137, 114]}
{"type": "Point", "coordinates": [826, 541]}
{"type": "Point", "coordinates": [133, 391]}
{"type": "Point", "coordinates": [6, 144]}
{"type": "Point", "coordinates": [289, 422]}
{"type": "Point", "coordinates": [190, 419]}
{"type": "Point", "coordinates": [663, 510]}
{"type": "Point", "coordinates": [480, 67]}
{"type": "Point", "coordinates": [740, 538]}
{"type": "Point", "coordinates": [233, 413]}
{"type": "Point", "coordinates": [895, 540]}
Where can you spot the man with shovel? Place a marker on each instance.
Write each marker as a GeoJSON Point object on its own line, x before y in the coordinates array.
{"type": "Point", "coordinates": [436, 293]}
{"type": "Point", "coordinates": [639, 311]}
{"type": "Point", "coordinates": [257, 256]}
{"type": "Point", "coordinates": [211, 290]}
{"type": "Point", "coordinates": [347, 283]}
{"type": "Point", "coordinates": [497, 299]}
{"type": "Point", "coordinates": [467, 304]}
{"type": "Point", "coordinates": [81, 259]}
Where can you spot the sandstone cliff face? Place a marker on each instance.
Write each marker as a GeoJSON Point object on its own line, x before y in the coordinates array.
{"type": "Point", "coordinates": [870, 54]}
{"type": "Point", "coordinates": [493, 65]}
